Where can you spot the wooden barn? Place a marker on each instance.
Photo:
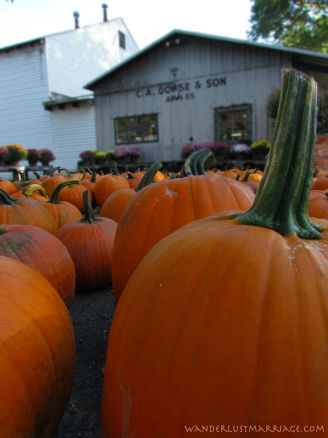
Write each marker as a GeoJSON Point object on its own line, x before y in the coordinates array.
{"type": "Point", "coordinates": [195, 86]}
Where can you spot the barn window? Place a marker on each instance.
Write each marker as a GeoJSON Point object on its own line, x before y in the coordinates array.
{"type": "Point", "coordinates": [233, 124]}
{"type": "Point", "coordinates": [136, 129]}
{"type": "Point", "coordinates": [121, 40]}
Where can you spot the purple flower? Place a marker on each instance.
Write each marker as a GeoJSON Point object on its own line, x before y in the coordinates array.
{"type": "Point", "coordinates": [219, 146]}
{"type": "Point", "coordinates": [189, 148]}
{"type": "Point", "coordinates": [240, 148]}
{"type": "Point", "coordinates": [3, 152]}
{"type": "Point", "coordinates": [135, 152]}
{"type": "Point", "coordinates": [46, 155]}
{"type": "Point", "coordinates": [124, 151]}
{"type": "Point", "coordinates": [86, 155]}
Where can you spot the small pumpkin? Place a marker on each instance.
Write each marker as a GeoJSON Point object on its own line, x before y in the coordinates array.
{"type": "Point", "coordinates": [90, 244]}
{"type": "Point", "coordinates": [62, 211]}
{"type": "Point", "coordinates": [73, 193]}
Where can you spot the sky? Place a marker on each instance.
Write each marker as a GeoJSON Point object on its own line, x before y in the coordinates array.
{"type": "Point", "coordinates": [22, 20]}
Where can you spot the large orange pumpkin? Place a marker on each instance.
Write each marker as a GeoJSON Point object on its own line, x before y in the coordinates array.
{"type": "Point", "coordinates": [161, 208]}
{"type": "Point", "coordinates": [37, 353]}
{"type": "Point", "coordinates": [225, 321]}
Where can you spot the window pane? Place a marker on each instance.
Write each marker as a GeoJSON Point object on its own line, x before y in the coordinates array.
{"type": "Point", "coordinates": [233, 124]}
{"type": "Point", "coordinates": [136, 129]}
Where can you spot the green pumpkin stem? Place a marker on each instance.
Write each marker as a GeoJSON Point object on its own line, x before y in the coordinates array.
{"type": "Point", "coordinates": [114, 169]}
{"type": "Point", "coordinates": [54, 197]}
{"type": "Point", "coordinates": [5, 199]}
{"type": "Point", "coordinates": [88, 213]}
{"type": "Point", "coordinates": [202, 159]}
{"type": "Point", "coordinates": [23, 184]}
{"type": "Point", "coordinates": [148, 177]}
{"type": "Point", "coordinates": [246, 176]}
{"type": "Point", "coordinates": [281, 203]}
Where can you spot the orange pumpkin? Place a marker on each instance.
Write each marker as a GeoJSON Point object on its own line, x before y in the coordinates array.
{"type": "Point", "coordinates": [318, 204]}
{"type": "Point", "coordinates": [90, 243]}
{"type": "Point", "coordinates": [225, 320]}
{"type": "Point", "coordinates": [43, 252]}
{"type": "Point", "coordinates": [320, 183]}
{"type": "Point", "coordinates": [62, 211]}
{"type": "Point", "coordinates": [73, 193]}
{"type": "Point", "coordinates": [7, 186]}
{"type": "Point", "coordinates": [50, 183]}
{"type": "Point", "coordinates": [25, 212]}
{"type": "Point", "coordinates": [115, 204]}
{"type": "Point", "coordinates": [37, 354]}
{"type": "Point", "coordinates": [160, 208]}
{"type": "Point", "coordinates": [107, 185]}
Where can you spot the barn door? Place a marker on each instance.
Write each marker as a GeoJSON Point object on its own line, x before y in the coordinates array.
{"type": "Point", "coordinates": [233, 124]}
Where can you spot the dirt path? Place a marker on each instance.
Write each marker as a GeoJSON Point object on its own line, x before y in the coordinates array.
{"type": "Point", "coordinates": [91, 316]}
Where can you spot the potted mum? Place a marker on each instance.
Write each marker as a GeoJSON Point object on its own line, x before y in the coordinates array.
{"type": "Point", "coordinates": [126, 154]}
{"type": "Point", "coordinates": [189, 148]}
{"type": "Point", "coordinates": [221, 150]}
{"type": "Point", "coordinates": [15, 153]}
{"type": "Point", "coordinates": [260, 149]}
{"type": "Point", "coordinates": [46, 156]}
{"type": "Point", "coordinates": [33, 156]}
{"type": "Point", "coordinates": [87, 158]}
{"type": "Point", "coordinates": [109, 156]}
{"type": "Point", "coordinates": [240, 151]}
{"type": "Point", "coordinates": [100, 157]}
{"type": "Point", "coordinates": [3, 154]}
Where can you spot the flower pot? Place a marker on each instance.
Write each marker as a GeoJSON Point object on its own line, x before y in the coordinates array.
{"type": "Point", "coordinates": [32, 162]}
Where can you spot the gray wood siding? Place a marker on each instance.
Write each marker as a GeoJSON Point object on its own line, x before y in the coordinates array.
{"type": "Point", "coordinates": [251, 73]}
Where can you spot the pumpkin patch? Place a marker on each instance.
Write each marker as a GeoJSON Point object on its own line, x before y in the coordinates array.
{"type": "Point", "coordinates": [219, 278]}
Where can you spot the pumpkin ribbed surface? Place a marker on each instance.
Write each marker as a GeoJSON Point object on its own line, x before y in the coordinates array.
{"type": "Point", "coordinates": [244, 343]}
{"type": "Point", "coordinates": [43, 252]}
{"type": "Point", "coordinates": [161, 208]}
{"type": "Point", "coordinates": [37, 354]}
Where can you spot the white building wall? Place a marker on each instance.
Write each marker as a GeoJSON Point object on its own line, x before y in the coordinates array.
{"type": "Point", "coordinates": [77, 56]}
{"type": "Point", "coordinates": [23, 88]}
{"type": "Point", "coordinates": [73, 131]}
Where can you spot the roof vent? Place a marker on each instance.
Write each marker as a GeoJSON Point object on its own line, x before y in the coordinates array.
{"type": "Point", "coordinates": [105, 18]}
{"type": "Point", "coordinates": [76, 16]}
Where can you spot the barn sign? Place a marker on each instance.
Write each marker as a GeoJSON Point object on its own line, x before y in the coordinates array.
{"type": "Point", "coordinates": [181, 90]}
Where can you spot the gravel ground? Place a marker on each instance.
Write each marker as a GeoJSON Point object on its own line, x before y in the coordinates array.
{"type": "Point", "coordinates": [91, 315]}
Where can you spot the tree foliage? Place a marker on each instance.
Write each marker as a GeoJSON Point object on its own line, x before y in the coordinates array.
{"type": "Point", "coordinates": [322, 117]}
{"type": "Point", "coordinates": [296, 23]}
